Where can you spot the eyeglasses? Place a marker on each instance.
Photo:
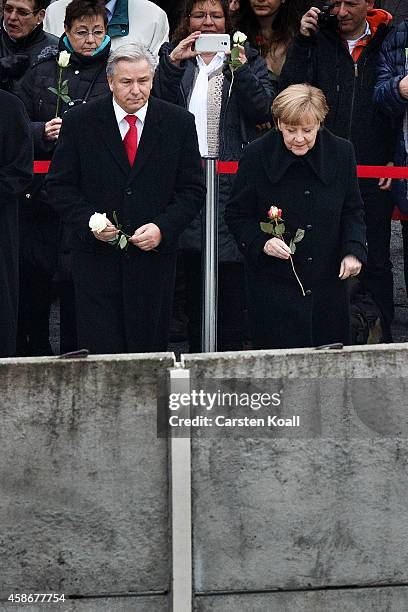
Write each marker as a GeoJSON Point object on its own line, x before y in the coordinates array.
{"type": "Point", "coordinates": [8, 10]}
{"type": "Point", "coordinates": [84, 34]}
{"type": "Point", "coordinates": [213, 16]}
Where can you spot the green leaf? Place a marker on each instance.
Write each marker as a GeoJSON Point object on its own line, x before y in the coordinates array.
{"type": "Point", "coordinates": [123, 242]}
{"type": "Point", "coordinates": [299, 235]}
{"type": "Point", "coordinates": [234, 54]}
{"type": "Point", "coordinates": [115, 218]}
{"type": "Point", "coordinates": [292, 246]}
{"type": "Point", "coordinates": [66, 99]}
{"type": "Point", "coordinates": [266, 227]}
{"type": "Point", "coordinates": [53, 90]}
{"type": "Point", "coordinates": [113, 241]}
{"type": "Point", "coordinates": [280, 229]}
{"type": "Point", "coordinates": [64, 91]}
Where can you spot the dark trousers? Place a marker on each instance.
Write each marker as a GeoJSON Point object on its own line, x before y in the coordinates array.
{"type": "Point", "coordinates": [232, 317]}
{"type": "Point", "coordinates": [33, 338]}
{"type": "Point", "coordinates": [377, 276]}
{"type": "Point", "coordinates": [123, 300]}
{"type": "Point", "coordinates": [68, 331]}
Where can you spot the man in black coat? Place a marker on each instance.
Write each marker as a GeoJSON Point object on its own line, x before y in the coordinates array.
{"type": "Point", "coordinates": [124, 298]}
{"type": "Point", "coordinates": [16, 165]}
{"type": "Point", "coordinates": [22, 39]}
{"type": "Point", "coordinates": [340, 56]}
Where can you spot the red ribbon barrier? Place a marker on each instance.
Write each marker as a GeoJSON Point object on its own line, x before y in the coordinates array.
{"type": "Point", "coordinates": [382, 172]}
{"type": "Point", "coordinates": [362, 171]}
{"type": "Point", "coordinates": [227, 167]}
{"type": "Point", "coordinates": [41, 167]}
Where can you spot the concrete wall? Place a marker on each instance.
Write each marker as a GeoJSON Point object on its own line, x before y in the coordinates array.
{"type": "Point", "coordinates": [83, 479]}
{"type": "Point", "coordinates": [314, 519]}
{"type": "Point", "coordinates": [324, 507]}
{"type": "Point", "coordinates": [344, 600]}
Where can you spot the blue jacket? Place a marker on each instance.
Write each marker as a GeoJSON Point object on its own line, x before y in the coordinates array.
{"type": "Point", "coordinates": [392, 68]}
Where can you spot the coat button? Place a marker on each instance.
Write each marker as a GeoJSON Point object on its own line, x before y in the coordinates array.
{"type": "Point", "coordinates": [243, 244]}
{"type": "Point", "coordinates": [128, 191]}
{"type": "Point", "coordinates": [76, 71]}
{"type": "Point", "coordinates": [309, 259]}
{"type": "Point", "coordinates": [307, 193]}
{"type": "Point", "coordinates": [28, 196]}
{"type": "Point", "coordinates": [308, 227]}
{"type": "Point", "coordinates": [308, 292]}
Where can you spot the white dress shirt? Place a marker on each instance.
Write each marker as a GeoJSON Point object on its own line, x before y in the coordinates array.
{"type": "Point", "coordinates": [123, 125]}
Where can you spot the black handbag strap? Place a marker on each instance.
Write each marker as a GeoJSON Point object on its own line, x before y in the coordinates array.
{"type": "Point", "coordinates": [92, 83]}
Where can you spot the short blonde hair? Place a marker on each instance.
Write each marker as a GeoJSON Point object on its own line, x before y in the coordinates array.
{"type": "Point", "coordinates": [296, 101]}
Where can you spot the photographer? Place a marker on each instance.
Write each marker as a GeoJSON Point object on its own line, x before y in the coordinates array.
{"type": "Point", "coordinates": [337, 50]}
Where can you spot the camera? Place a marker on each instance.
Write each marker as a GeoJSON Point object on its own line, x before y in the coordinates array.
{"type": "Point", "coordinates": [213, 43]}
{"type": "Point", "coordinates": [326, 20]}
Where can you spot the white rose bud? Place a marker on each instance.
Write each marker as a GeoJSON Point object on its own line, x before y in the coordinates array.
{"type": "Point", "coordinates": [98, 222]}
{"type": "Point", "coordinates": [63, 59]}
{"type": "Point", "coordinates": [273, 212]}
{"type": "Point", "coordinates": [239, 38]}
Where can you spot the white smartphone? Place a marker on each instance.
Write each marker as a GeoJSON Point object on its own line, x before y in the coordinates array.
{"type": "Point", "coordinates": [212, 43]}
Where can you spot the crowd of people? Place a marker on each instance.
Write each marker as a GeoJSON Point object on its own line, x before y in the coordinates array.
{"type": "Point", "coordinates": [314, 89]}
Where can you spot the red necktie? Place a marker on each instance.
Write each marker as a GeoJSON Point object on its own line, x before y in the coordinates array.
{"type": "Point", "coordinates": [130, 139]}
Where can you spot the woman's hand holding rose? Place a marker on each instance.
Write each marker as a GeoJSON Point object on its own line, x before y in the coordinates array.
{"type": "Point", "coordinates": [275, 247]}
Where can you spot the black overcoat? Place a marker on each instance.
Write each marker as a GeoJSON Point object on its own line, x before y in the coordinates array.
{"type": "Point", "coordinates": [30, 46]}
{"type": "Point", "coordinates": [16, 165]}
{"type": "Point", "coordinates": [319, 193]}
{"type": "Point", "coordinates": [90, 173]}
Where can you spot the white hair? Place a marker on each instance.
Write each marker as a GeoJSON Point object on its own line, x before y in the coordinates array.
{"type": "Point", "coordinates": [133, 52]}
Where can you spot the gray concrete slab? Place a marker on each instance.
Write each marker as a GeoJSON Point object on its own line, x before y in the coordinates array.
{"type": "Point", "coordinates": [326, 508]}
{"type": "Point", "coordinates": [344, 600]}
{"type": "Point", "coordinates": [83, 477]}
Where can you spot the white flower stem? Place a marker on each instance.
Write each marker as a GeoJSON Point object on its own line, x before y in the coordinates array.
{"type": "Point", "coordinates": [232, 82]}
{"type": "Point", "coordinates": [59, 92]}
{"type": "Point", "coordinates": [297, 278]}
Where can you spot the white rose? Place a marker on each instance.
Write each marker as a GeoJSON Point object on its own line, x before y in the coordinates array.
{"type": "Point", "coordinates": [63, 59]}
{"type": "Point", "coordinates": [98, 222]}
{"type": "Point", "coordinates": [239, 38]}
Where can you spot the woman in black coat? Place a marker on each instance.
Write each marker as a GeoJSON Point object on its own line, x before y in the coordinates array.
{"type": "Point", "coordinates": [43, 243]}
{"type": "Point", "coordinates": [226, 124]}
{"type": "Point", "coordinates": [298, 299]}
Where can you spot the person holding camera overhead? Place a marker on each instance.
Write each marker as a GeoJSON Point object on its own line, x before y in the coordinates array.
{"type": "Point", "coordinates": [84, 48]}
{"type": "Point", "coordinates": [337, 50]}
{"type": "Point", "coordinates": [226, 115]}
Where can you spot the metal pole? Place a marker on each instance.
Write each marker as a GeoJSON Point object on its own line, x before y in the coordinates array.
{"type": "Point", "coordinates": [180, 455]}
{"type": "Point", "coordinates": [209, 260]}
